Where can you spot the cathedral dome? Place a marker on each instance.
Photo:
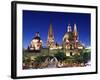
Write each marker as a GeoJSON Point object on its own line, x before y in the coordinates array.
{"type": "Point", "coordinates": [36, 43]}
{"type": "Point", "coordinates": [68, 36]}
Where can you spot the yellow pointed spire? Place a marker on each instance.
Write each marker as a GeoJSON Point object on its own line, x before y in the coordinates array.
{"type": "Point", "coordinates": [50, 40]}
{"type": "Point", "coordinates": [75, 30]}
{"type": "Point", "coordinates": [50, 32]}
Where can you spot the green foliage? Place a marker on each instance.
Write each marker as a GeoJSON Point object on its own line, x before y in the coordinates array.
{"type": "Point", "coordinates": [39, 59]}
{"type": "Point", "coordinates": [60, 56]}
{"type": "Point", "coordinates": [78, 58]}
{"type": "Point", "coordinates": [86, 56]}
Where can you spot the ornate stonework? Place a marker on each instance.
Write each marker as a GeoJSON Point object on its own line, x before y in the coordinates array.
{"type": "Point", "coordinates": [71, 42]}
{"type": "Point", "coordinates": [36, 43]}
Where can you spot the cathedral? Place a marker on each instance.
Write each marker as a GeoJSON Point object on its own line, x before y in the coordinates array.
{"type": "Point", "coordinates": [71, 43]}
{"type": "Point", "coordinates": [50, 40]}
{"type": "Point", "coordinates": [51, 44]}
{"type": "Point", "coordinates": [36, 43]}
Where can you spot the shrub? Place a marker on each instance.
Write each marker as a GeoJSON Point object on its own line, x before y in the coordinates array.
{"type": "Point", "coordinates": [86, 56]}
{"type": "Point", "coordinates": [60, 56]}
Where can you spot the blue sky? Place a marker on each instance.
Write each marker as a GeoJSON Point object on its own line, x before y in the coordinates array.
{"type": "Point", "coordinates": [39, 21]}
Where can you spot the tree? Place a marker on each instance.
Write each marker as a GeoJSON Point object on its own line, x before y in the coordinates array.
{"type": "Point", "coordinates": [39, 59]}
{"type": "Point", "coordinates": [60, 56]}
{"type": "Point", "coordinates": [78, 58]}
{"type": "Point", "coordinates": [86, 56]}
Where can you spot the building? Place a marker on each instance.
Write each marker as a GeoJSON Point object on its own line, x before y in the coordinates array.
{"type": "Point", "coordinates": [51, 44]}
{"type": "Point", "coordinates": [71, 43]}
{"type": "Point", "coordinates": [50, 40]}
{"type": "Point", "coordinates": [36, 43]}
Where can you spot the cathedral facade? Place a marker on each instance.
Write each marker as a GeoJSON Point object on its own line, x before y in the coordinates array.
{"type": "Point", "coordinates": [51, 44]}
{"type": "Point", "coordinates": [36, 43]}
{"type": "Point", "coordinates": [50, 40]}
{"type": "Point", "coordinates": [71, 43]}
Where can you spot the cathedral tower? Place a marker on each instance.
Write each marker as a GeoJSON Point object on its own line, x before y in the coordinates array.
{"type": "Point", "coordinates": [50, 40]}
{"type": "Point", "coordinates": [36, 43]}
{"type": "Point", "coordinates": [75, 35]}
